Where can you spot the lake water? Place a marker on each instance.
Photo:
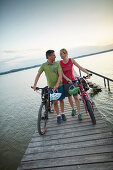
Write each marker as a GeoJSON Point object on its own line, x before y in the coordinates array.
{"type": "Point", "coordinates": [19, 105]}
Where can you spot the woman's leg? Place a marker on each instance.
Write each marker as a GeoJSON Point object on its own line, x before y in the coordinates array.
{"type": "Point", "coordinates": [72, 105]}
{"type": "Point", "coordinates": [77, 101]}
{"type": "Point", "coordinates": [71, 101]}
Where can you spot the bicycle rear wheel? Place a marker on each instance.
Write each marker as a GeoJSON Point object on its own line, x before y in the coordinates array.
{"type": "Point", "coordinates": [90, 110]}
{"type": "Point", "coordinates": [42, 119]}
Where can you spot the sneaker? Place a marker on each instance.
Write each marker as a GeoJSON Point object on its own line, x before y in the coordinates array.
{"type": "Point", "coordinates": [73, 112]}
{"type": "Point", "coordinates": [80, 116]}
{"type": "Point", "coordinates": [58, 119]}
{"type": "Point", "coordinates": [63, 117]}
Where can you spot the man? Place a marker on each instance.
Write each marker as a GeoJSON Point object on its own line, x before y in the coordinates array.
{"type": "Point", "coordinates": [53, 74]}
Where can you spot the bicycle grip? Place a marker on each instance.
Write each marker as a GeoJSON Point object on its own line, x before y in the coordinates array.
{"type": "Point", "coordinates": [86, 76]}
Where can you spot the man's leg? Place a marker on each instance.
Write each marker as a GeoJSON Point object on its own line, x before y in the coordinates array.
{"type": "Point", "coordinates": [61, 90]}
{"type": "Point", "coordinates": [62, 110]}
{"type": "Point", "coordinates": [62, 105]}
{"type": "Point", "coordinates": [56, 107]}
{"type": "Point", "coordinates": [57, 111]}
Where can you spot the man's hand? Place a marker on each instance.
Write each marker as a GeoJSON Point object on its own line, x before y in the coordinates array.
{"type": "Point", "coordinates": [55, 87]}
{"type": "Point", "coordinates": [34, 88]}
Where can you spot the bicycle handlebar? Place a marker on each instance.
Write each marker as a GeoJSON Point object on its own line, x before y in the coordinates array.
{"type": "Point", "coordinates": [38, 88]}
{"type": "Point", "coordinates": [85, 77]}
{"type": "Point", "coordinates": [78, 78]}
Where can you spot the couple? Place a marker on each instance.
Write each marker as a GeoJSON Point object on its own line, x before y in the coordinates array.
{"type": "Point", "coordinates": [58, 74]}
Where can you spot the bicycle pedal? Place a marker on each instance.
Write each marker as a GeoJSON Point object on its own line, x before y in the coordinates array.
{"type": "Point", "coordinates": [46, 117]}
{"type": "Point", "coordinates": [43, 118]}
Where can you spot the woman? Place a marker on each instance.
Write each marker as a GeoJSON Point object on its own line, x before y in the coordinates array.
{"type": "Point", "coordinates": [67, 67]}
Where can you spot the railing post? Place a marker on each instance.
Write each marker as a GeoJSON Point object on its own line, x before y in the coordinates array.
{"type": "Point", "coordinates": [80, 72]}
{"type": "Point", "coordinates": [108, 85]}
{"type": "Point", "coordinates": [104, 82]}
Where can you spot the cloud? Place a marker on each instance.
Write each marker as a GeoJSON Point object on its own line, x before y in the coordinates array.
{"type": "Point", "coordinates": [23, 50]}
{"type": "Point", "coordinates": [10, 51]}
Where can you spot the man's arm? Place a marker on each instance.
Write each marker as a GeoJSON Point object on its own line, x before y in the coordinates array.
{"type": "Point", "coordinates": [41, 69]}
{"type": "Point", "coordinates": [59, 80]}
{"type": "Point", "coordinates": [36, 80]}
{"type": "Point", "coordinates": [81, 68]}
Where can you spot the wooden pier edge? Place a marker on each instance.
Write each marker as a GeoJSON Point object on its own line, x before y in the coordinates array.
{"type": "Point", "coordinates": [73, 145]}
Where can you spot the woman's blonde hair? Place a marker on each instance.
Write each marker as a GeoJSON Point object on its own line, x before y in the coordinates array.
{"type": "Point", "coordinates": [64, 51]}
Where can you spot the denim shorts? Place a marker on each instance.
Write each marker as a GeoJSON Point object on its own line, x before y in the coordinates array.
{"type": "Point", "coordinates": [59, 90]}
{"type": "Point", "coordinates": [66, 89]}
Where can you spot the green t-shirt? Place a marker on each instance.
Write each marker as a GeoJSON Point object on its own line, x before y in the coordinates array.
{"type": "Point", "coordinates": [51, 72]}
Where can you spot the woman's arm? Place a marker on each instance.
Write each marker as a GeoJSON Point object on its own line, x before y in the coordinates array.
{"type": "Point", "coordinates": [66, 78]}
{"type": "Point", "coordinates": [81, 68]}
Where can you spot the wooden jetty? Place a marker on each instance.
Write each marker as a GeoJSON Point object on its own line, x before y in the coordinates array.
{"type": "Point", "coordinates": [73, 145]}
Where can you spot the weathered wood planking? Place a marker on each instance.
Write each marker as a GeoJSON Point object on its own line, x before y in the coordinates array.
{"type": "Point", "coordinates": [72, 145]}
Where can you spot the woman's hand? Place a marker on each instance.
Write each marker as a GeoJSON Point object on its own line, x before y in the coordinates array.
{"type": "Point", "coordinates": [88, 75]}
{"type": "Point", "coordinates": [70, 81]}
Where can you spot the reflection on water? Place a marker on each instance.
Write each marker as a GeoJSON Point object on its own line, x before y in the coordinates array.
{"type": "Point", "coordinates": [18, 115]}
{"type": "Point", "coordinates": [19, 105]}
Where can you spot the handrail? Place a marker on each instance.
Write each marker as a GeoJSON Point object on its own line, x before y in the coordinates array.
{"type": "Point", "coordinates": [99, 75]}
{"type": "Point", "coordinates": [104, 77]}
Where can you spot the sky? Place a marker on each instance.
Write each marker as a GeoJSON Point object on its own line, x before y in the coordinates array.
{"type": "Point", "coordinates": [30, 27]}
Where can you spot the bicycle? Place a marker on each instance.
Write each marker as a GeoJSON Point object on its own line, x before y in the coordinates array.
{"type": "Point", "coordinates": [83, 87]}
{"type": "Point", "coordinates": [44, 109]}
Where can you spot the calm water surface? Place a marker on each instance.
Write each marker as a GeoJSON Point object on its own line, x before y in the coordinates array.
{"type": "Point", "coordinates": [19, 105]}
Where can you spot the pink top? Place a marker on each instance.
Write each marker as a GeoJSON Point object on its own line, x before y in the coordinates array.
{"type": "Point", "coordinates": [67, 70]}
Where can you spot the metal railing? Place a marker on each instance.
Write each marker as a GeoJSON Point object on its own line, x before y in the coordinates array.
{"type": "Point", "coordinates": [104, 77]}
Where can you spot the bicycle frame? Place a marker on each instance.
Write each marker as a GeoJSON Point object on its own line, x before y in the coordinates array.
{"type": "Point", "coordinates": [45, 95]}
{"type": "Point", "coordinates": [83, 92]}
{"type": "Point", "coordinates": [43, 110]}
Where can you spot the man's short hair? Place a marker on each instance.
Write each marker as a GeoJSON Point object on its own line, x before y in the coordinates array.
{"type": "Point", "coordinates": [48, 53]}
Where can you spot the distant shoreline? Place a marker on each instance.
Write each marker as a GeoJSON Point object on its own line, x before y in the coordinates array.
{"type": "Point", "coordinates": [93, 53]}
{"type": "Point", "coordinates": [30, 67]}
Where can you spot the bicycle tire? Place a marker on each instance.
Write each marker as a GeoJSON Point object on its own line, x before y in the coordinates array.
{"type": "Point", "coordinates": [42, 116]}
{"type": "Point", "coordinates": [90, 110]}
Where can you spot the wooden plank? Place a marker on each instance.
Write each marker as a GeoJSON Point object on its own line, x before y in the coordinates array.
{"type": "Point", "coordinates": [93, 166]}
{"type": "Point", "coordinates": [74, 120]}
{"type": "Point", "coordinates": [72, 160]}
{"type": "Point", "coordinates": [79, 130]}
{"type": "Point", "coordinates": [70, 110]}
{"type": "Point", "coordinates": [71, 145]}
{"type": "Point", "coordinates": [75, 123]}
{"type": "Point", "coordinates": [74, 127]}
{"type": "Point", "coordinates": [71, 139]}
{"type": "Point", "coordinates": [69, 152]}
{"type": "Point", "coordinates": [69, 133]}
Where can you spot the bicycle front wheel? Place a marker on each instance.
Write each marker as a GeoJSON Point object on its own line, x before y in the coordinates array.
{"type": "Point", "coordinates": [90, 110]}
{"type": "Point", "coordinates": [42, 119]}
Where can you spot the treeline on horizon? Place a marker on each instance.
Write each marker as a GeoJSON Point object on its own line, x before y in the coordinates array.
{"type": "Point", "coordinates": [30, 67]}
